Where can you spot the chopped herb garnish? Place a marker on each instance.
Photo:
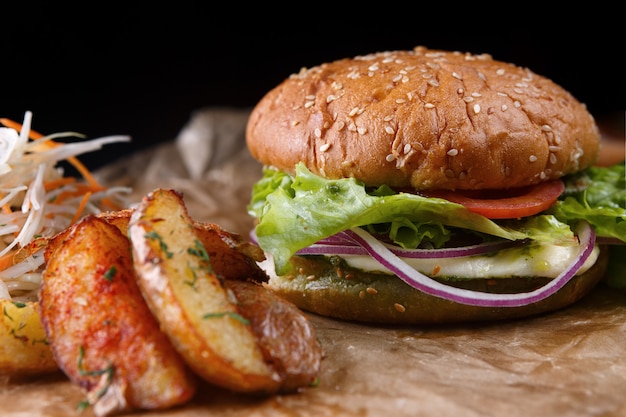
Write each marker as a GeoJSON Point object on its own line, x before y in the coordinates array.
{"type": "Point", "coordinates": [236, 316]}
{"type": "Point", "coordinates": [6, 313]}
{"type": "Point", "coordinates": [201, 252]}
{"type": "Point", "coordinates": [155, 236]}
{"type": "Point", "coordinates": [110, 273]}
{"type": "Point", "coordinates": [109, 371]}
{"type": "Point", "coordinates": [192, 283]}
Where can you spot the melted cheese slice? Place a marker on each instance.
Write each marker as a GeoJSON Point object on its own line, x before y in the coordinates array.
{"type": "Point", "coordinates": [540, 260]}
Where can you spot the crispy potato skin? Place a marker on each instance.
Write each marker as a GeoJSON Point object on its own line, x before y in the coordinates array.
{"type": "Point", "coordinates": [189, 299]}
{"type": "Point", "coordinates": [101, 331]}
{"type": "Point", "coordinates": [284, 333]}
{"type": "Point", "coordinates": [231, 256]}
{"type": "Point", "coordinates": [24, 348]}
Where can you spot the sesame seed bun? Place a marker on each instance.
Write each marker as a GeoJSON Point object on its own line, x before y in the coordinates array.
{"type": "Point", "coordinates": [425, 119]}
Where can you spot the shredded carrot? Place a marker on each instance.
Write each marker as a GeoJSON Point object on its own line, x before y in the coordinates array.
{"type": "Point", "coordinates": [81, 189]}
{"type": "Point", "coordinates": [84, 190]}
{"type": "Point", "coordinates": [6, 209]}
{"type": "Point", "coordinates": [51, 185]}
{"type": "Point", "coordinates": [81, 207]}
{"type": "Point", "coordinates": [6, 260]}
{"type": "Point", "coordinates": [82, 169]}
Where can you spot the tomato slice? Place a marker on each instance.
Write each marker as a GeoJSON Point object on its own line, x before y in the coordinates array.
{"type": "Point", "coordinates": [506, 204]}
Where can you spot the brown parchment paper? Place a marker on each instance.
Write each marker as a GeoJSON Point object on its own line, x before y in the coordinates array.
{"type": "Point", "coordinates": [568, 363]}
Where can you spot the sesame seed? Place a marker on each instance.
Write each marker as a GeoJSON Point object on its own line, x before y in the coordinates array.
{"type": "Point", "coordinates": [388, 118]}
{"type": "Point", "coordinates": [310, 97]}
{"type": "Point", "coordinates": [433, 83]}
{"type": "Point", "coordinates": [546, 128]}
{"type": "Point", "coordinates": [460, 91]}
{"type": "Point", "coordinates": [468, 99]}
{"type": "Point", "coordinates": [324, 147]}
{"type": "Point", "coordinates": [361, 130]}
{"type": "Point", "coordinates": [517, 104]}
{"type": "Point", "coordinates": [341, 125]}
{"type": "Point", "coordinates": [449, 173]}
{"type": "Point", "coordinates": [310, 277]}
{"type": "Point", "coordinates": [532, 158]}
{"type": "Point", "coordinates": [371, 290]}
{"type": "Point", "coordinates": [295, 122]}
{"type": "Point", "coordinates": [457, 76]}
{"type": "Point", "coordinates": [407, 148]}
{"type": "Point", "coordinates": [353, 112]}
{"type": "Point", "coordinates": [475, 94]}
{"type": "Point", "coordinates": [553, 148]}
{"type": "Point", "coordinates": [326, 124]}
{"type": "Point", "coordinates": [504, 107]}
{"type": "Point", "coordinates": [390, 157]}
{"type": "Point", "coordinates": [476, 108]}
{"type": "Point", "coordinates": [331, 97]}
{"type": "Point", "coordinates": [399, 307]}
{"type": "Point", "coordinates": [389, 130]}
{"type": "Point", "coordinates": [453, 152]}
{"type": "Point", "coordinates": [361, 295]}
{"type": "Point", "coordinates": [429, 105]}
{"type": "Point", "coordinates": [397, 78]}
{"type": "Point", "coordinates": [518, 90]}
{"type": "Point", "coordinates": [553, 158]}
{"type": "Point", "coordinates": [400, 101]}
{"type": "Point", "coordinates": [317, 132]}
{"type": "Point", "coordinates": [309, 104]}
{"type": "Point", "coordinates": [500, 71]}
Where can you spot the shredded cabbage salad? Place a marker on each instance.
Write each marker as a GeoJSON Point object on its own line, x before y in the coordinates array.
{"type": "Point", "coordinates": [38, 200]}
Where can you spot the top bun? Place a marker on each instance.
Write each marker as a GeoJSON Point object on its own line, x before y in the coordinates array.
{"type": "Point", "coordinates": [426, 119]}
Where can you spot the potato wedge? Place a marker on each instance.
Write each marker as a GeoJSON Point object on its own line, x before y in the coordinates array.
{"type": "Point", "coordinates": [24, 348]}
{"type": "Point", "coordinates": [100, 329]}
{"type": "Point", "coordinates": [284, 334]}
{"type": "Point", "coordinates": [231, 256]}
{"type": "Point", "coordinates": [190, 300]}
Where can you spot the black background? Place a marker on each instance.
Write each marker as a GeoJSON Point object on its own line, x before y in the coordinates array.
{"type": "Point", "coordinates": [142, 71]}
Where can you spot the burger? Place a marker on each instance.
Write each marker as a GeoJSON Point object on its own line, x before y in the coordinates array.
{"type": "Point", "coordinates": [426, 186]}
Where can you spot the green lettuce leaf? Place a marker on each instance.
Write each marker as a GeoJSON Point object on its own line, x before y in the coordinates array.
{"type": "Point", "coordinates": [597, 195]}
{"type": "Point", "coordinates": [296, 212]}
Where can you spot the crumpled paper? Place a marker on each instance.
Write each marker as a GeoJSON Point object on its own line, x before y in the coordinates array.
{"type": "Point", "coordinates": [567, 363]}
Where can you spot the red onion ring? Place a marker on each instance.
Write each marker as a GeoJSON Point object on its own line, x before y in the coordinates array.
{"type": "Point", "coordinates": [343, 244]}
{"type": "Point", "coordinates": [415, 279]}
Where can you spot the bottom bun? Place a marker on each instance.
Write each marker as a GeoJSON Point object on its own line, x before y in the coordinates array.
{"type": "Point", "coordinates": [329, 287]}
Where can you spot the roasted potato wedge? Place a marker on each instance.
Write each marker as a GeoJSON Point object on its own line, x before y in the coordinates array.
{"type": "Point", "coordinates": [284, 334]}
{"type": "Point", "coordinates": [24, 348]}
{"type": "Point", "coordinates": [190, 300]}
{"type": "Point", "coordinates": [231, 256]}
{"type": "Point", "coordinates": [101, 331]}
